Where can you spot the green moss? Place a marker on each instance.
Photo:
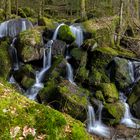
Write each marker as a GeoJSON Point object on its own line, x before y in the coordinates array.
{"type": "Point", "coordinates": [49, 23]}
{"type": "Point", "coordinates": [99, 96]}
{"type": "Point", "coordinates": [77, 53]}
{"type": "Point", "coordinates": [27, 82]}
{"type": "Point", "coordinates": [18, 111]}
{"type": "Point", "coordinates": [1, 15]}
{"type": "Point", "coordinates": [65, 34]}
{"type": "Point", "coordinates": [73, 100]}
{"type": "Point", "coordinates": [5, 64]}
{"type": "Point", "coordinates": [30, 44]}
{"type": "Point", "coordinates": [116, 110]}
{"type": "Point", "coordinates": [102, 30]}
{"type": "Point", "coordinates": [109, 92]}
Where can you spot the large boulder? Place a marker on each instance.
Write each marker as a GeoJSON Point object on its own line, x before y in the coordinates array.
{"type": "Point", "coordinates": [134, 100]}
{"type": "Point", "coordinates": [73, 100]}
{"type": "Point", "coordinates": [5, 61]}
{"type": "Point", "coordinates": [120, 73]}
{"type": "Point", "coordinates": [30, 46]}
{"type": "Point", "coordinates": [66, 97]}
{"type": "Point", "coordinates": [65, 34]}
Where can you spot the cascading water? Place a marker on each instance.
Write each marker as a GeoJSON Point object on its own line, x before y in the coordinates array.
{"type": "Point", "coordinates": [14, 57]}
{"type": "Point", "coordinates": [56, 31]}
{"type": "Point", "coordinates": [131, 71]}
{"type": "Point", "coordinates": [95, 125]}
{"type": "Point", "coordinates": [33, 91]}
{"type": "Point", "coordinates": [70, 73]}
{"type": "Point", "coordinates": [78, 33]}
{"type": "Point", "coordinates": [14, 27]}
{"type": "Point", "coordinates": [23, 26]}
{"type": "Point", "coordinates": [127, 119]}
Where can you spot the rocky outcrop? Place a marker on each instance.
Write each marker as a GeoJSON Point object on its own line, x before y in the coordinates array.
{"type": "Point", "coordinates": [29, 46]}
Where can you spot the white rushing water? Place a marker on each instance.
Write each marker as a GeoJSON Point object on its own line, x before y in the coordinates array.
{"type": "Point", "coordinates": [78, 33]}
{"type": "Point", "coordinates": [33, 91]}
{"type": "Point", "coordinates": [127, 119]}
{"type": "Point", "coordinates": [24, 26]}
{"type": "Point", "coordinates": [131, 71]}
{"type": "Point", "coordinates": [14, 56]}
{"type": "Point", "coordinates": [13, 27]}
{"type": "Point", "coordinates": [56, 31]}
{"type": "Point", "coordinates": [95, 124]}
{"type": "Point", "coordinates": [70, 73]}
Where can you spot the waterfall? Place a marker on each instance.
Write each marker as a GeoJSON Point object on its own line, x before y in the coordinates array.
{"type": "Point", "coordinates": [78, 33]}
{"type": "Point", "coordinates": [95, 125]}
{"type": "Point", "coordinates": [12, 80]}
{"type": "Point", "coordinates": [127, 119]}
{"type": "Point", "coordinates": [23, 26]}
{"type": "Point", "coordinates": [13, 27]}
{"type": "Point", "coordinates": [14, 57]}
{"type": "Point", "coordinates": [3, 29]}
{"type": "Point", "coordinates": [131, 71]}
{"type": "Point", "coordinates": [70, 73]}
{"type": "Point", "coordinates": [56, 31]}
{"type": "Point", "coordinates": [136, 65]}
{"type": "Point", "coordinates": [33, 91]}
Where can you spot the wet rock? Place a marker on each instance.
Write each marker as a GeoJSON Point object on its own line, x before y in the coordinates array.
{"type": "Point", "coordinates": [58, 48]}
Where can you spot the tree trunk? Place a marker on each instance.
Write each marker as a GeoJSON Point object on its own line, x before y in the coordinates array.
{"type": "Point", "coordinates": [83, 9]}
{"type": "Point", "coordinates": [7, 9]}
{"type": "Point", "coordinates": [16, 3]}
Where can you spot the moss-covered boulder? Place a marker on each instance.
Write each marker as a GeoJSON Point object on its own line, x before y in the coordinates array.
{"type": "Point", "coordinates": [73, 100]}
{"type": "Point", "coordinates": [100, 29]}
{"type": "Point", "coordinates": [134, 100]}
{"type": "Point", "coordinates": [113, 112]}
{"type": "Point", "coordinates": [30, 45]}
{"type": "Point", "coordinates": [109, 92]}
{"type": "Point", "coordinates": [65, 34]}
{"type": "Point", "coordinates": [79, 57]}
{"type": "Point", "coordinates": [21, 118]}
{"type": "Point", "coordinates": [99, 60]}
{"type": "Point", "coordinates": [65, 97]}
{"type": "Point", "coordinates": [5, 63]}
{"type": "Point", "coordinates": [25, 76]}
{"type": "Point", "coordinates": [120, 73]}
